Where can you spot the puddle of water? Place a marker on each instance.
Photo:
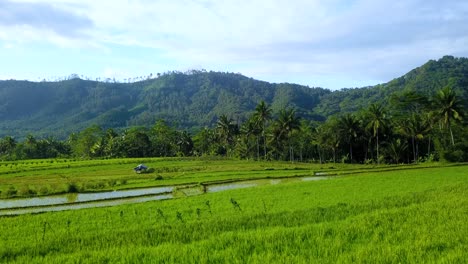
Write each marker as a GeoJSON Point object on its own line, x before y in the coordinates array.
{"type": "Point", "coordinates": [80, 197]}
{"type": "Point", "coordinates": [229, 186]}
{"type": "Point", "coordinates": [276, 181]}
{"type": "Point", "coordinates": [90, 200]}
{"type": "Point", "coordinates": [76, 206]}
{"type": "Point", "coordinates": [315, 178]}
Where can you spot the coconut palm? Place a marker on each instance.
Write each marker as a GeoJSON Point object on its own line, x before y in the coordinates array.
{"type": "Point", "coordinates": [416, 128]}
{"type": "Point", "coordinates": [226, 130]}
{"type": "Point", "coordinates": [250, 131]}
{"type": "Point", "coordinates": [376, 121]}
{"type": "Point", "coordinates": [263, 114]}
{"type": "Point", "coordinates": [348, 128]}
{"type": "Point", "coordinates": [396, 149]}
{"type": "Point", "coordinates": [7, 145]}
{"type": "Point", "coordinates": [287, 123]}
{"type": "Point", "coordinates": [448, 108]}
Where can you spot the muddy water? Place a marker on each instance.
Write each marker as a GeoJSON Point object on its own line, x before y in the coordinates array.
{"type": "Point", "coordinates": [103, 199]}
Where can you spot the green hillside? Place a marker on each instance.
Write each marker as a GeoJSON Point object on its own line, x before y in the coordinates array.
{"type": "Point", "coordinates": [195, 99]}
{"type": "Point", "coordinates": [187, 100]}
{"type": "Point", "coordinates": [426, 80]}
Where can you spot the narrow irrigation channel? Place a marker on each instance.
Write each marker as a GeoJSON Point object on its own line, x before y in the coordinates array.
{"type": "Point", "coordinates": [74, 201]}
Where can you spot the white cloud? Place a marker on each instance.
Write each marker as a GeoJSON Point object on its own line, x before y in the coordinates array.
{"type": "Point", "coordinates": [368, 39]}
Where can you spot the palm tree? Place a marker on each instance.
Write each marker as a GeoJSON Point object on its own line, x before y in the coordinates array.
{"type": "Point", "coordinates": [348, 128]}
{"type": "Point", "coordinates": [7, 145]}
{"type": "Point", "coordinates": [203, 141]}
{"type": "Point", "coordinates": [225, 129]}
{"type": "Point", "coordinates": [251, 128]}
{"type": "Point", "coordinates": [263, 114]}
{"type": "Point", "coordinates": [449, 108]}
{"type": "Point", "coordinates": [396, 148]}
{"type": "Point", "coordinates": [288, 122]}
{"type": "Point", "coordinates": [377, 120]}
{"type": "Point", "coordinates": [416, 129]}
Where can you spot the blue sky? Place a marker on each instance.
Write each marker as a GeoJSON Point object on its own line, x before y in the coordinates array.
{"type": "Point", "coordinates": [332, 44]}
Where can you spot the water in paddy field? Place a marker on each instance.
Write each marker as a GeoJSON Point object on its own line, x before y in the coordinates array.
{"type": "Point", "coordinates": [81, 197]}
{"type": "Point", "coordinates": [74, 201]}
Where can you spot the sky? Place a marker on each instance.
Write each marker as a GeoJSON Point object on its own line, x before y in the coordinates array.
{"type": "Point", "coordinates": [320, 43]}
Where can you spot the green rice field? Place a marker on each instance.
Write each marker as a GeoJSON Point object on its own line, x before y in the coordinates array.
{"type": "Point", "coordinates": [31, 178]}
{"type": "Point", "coordinates": [412, 214]}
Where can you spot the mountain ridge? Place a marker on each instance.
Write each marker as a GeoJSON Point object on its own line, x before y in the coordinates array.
{"type": "Point", "coordinates": [196, 99]}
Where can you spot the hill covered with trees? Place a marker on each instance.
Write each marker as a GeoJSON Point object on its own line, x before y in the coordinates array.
{"type": "Point", "coordinates": [196, 99]}
{"type": "Point", "coordinates": [419, 116]}
{"type": "Point", "coordinates": [187, 100]}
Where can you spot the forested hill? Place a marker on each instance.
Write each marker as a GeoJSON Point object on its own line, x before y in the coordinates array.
{"type": "Point", "coordinates": [195, 99]}
{"type": "Point", "coordinates": [185, 100]}
{"type": "Point", "coordinates": [426, 80]}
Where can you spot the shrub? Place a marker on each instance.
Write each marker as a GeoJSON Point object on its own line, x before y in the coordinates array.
{"type": "Point", "coordinates": [100, 185]}
{"type": "Point", "coordinates": [123, 181]}
{"type": "Point", "coordinates": [112, 182]}
{"type": "Point", "coordinates": [72, 188]}
{"type": "Point", "coordinates": [26, 191]}
{"type": "Point", "coordinates": [43, 190]}
{"type": "Point", "coordinates": [457, 153]}
{"type": "Point", "coordinates": [11, 191]}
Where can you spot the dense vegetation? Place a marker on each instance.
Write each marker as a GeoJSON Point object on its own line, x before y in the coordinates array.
{"type": "Point", "coordinates": [419, 116]}
{"type": "Point", "coordinates": [414, 129]}
{"type": "Point", "coordinates": [196, 99]}
{"type": "Point", "coordinates": [413, 216]}
{"type": "Point", "coordinates": [189, 100]}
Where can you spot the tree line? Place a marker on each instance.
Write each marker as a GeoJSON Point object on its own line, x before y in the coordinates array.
{"type": "Point", "coordinates": [410, 128]}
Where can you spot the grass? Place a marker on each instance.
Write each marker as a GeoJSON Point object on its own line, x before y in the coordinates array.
{"type": "Point", "coordinates": [45, 177]}
{"type": "Point", "coordinates": [407, 216]}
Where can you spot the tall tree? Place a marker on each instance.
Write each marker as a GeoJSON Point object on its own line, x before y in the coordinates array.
{"type": "Point", "coordinates": [250, 131]}
{"type": "Point", "coordinates": [348, 128]}
{"type": "Point", "coordinates": [203, 141]}
{"type": "Point", "coordinates": [263, 114]}
{"type": "Point", "coordinates": [415, 128]}
{"type": "Point", "coordinates": [163, 139]}
{"type": "Point", "coordinates": [396, 149]}
{"type": "Point", "coordinates": [226, 130]}
{"type": "Point", "coordinates": [82, 144]}
{"type": "Point", "coordinates": [449, 108]}
{"type": "Point", "coordinates": [287, 123]}
{"type": "Point", "coordinates": [377, 119]}
{"type": "Point", "coordinates": [7, 146]}
{"type": "Point", "coordinates": [136, 143]}
{"type": "Point", "coordinates": [184, 143]}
